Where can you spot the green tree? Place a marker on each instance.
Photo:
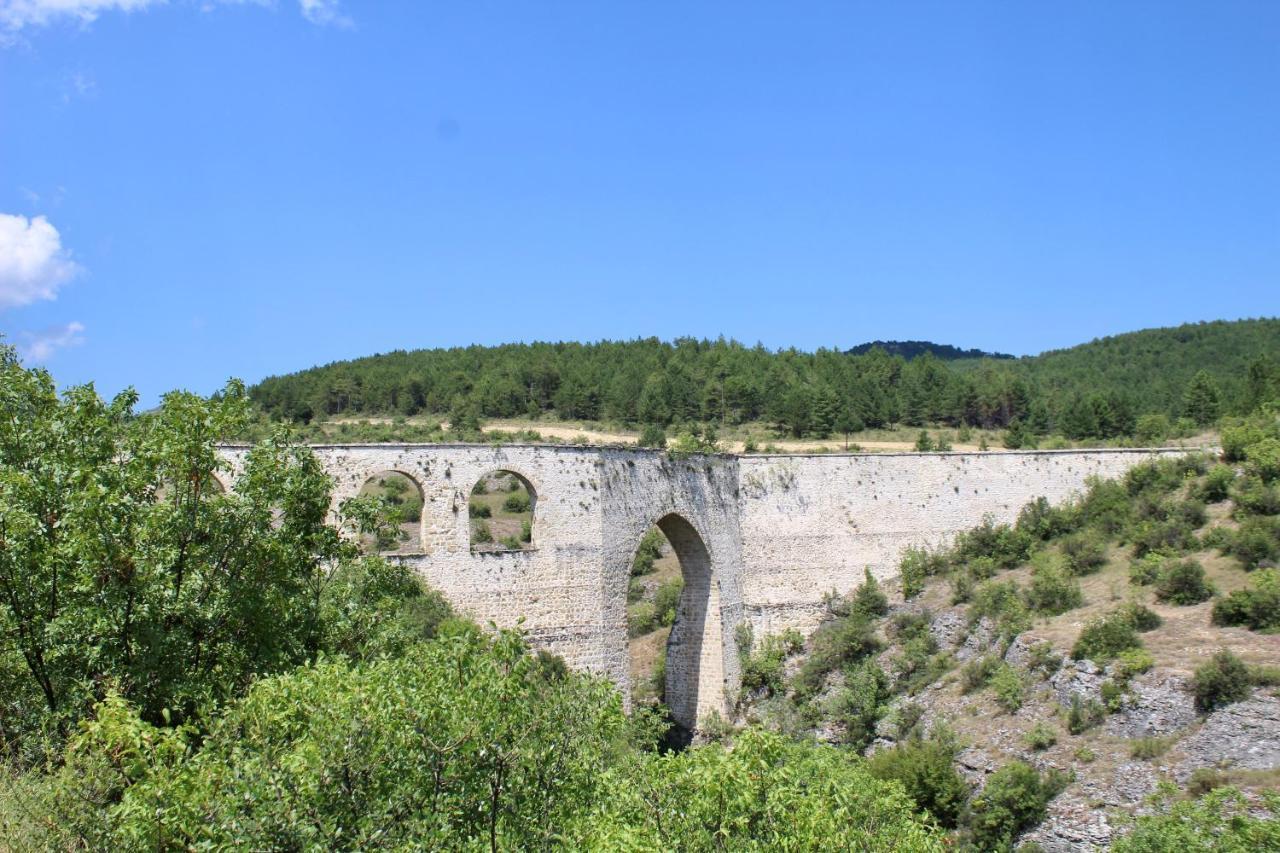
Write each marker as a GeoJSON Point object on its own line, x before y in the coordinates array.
{"type": "Point", "coordinates": [125, 566]}
{"type": "Point", "coordinates": [1201, 401]}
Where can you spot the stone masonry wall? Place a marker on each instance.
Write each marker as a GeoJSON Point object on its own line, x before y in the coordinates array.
{"type": "Point", "coordinates": [759, 538]}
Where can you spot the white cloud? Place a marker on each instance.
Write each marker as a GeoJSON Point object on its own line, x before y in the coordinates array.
{"type": "Point", "coordinates": [324, 12]}
{"type": "Point", "coordinates": [39, 346]}
{"type": "Point", "coordinates": [16, 15]}
{"type": "Point", "coordinates": [33, 264]}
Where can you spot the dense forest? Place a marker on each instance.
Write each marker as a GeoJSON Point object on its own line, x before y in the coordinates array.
{"type": "Point", "coordinates": [1103, 389]}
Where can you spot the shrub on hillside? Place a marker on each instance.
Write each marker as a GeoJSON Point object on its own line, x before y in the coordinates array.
{"type": "Point", "coordinates": [1221, 819]}
{"type": "Point", "coordinates": [1007, 546]}
{"type": "Point", "coordinates": [1042, 521]}
{"type": "Point", "coordinates": [1145, 570]}
{"type": "Point", "coordinates": [1052, 589]}
{"type": "Point", "coordinates": [475, 509]}
{"type": "Point", "coordinates": [517, 503]}
{"type": "Point", "coordinates": [1263, 459]}
{"type": "Point", "coordinates": [835, 644]}
{"type": "Point", "coordinates": [1106, 636]}
{"type": "Point", "coordinates": [1007, 685]}
{"type": "Point", "coordinates": [1002, 603]}
{"type": "Point", "coordinates": [1084, 714]}
{"type": "Point", "coordinates": [1183, 582]}
{"type": "Point", "coordinates": [869, 599]}
{"type": "Point", "coordinates": [1255, 543]}
{"type": "Point", "coordinates": [1254, 497]}
{"type": "Point", "coordinates": [1216, 486]}
{"type": "Point", "coordinates": [1256, 607]}
{"type": "Point", "coordinates": [1041, 736]}
{"type": "Point", "coordinates": [642, 618]}
{"type": "Point", "coordinates": [977, 672]}
{"type": "Point", "coordinates": [1142, 618]}
{"type": "Point", "coordinates": [1014, 799]}
{"type": "Point", "coordinates": [763, 668]}
{"type": "Point", "coordinates": [666, 601]}
{"type": "Point", "coordinates": [925, 767]}
{"type": "Point", "coordinates": [654, 436]}
{"type": "Point", "coordinates": [1106, 506]}
{"type": "Point", "coordinates": [1085, 553]}
{"type": "Point", "coordinates": [1221, 680]}
{"type": "Point", "coordinates": [916, 566]}
{"type": "Point", "coordinates": [647, 552]}
{"type": "Point", "coordinates": [860, 703]}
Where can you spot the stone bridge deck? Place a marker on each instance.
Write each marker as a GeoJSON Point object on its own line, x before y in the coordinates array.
{"type": "Point", "coordinates": [760, 539]}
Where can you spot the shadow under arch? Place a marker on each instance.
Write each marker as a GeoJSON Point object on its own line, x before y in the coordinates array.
{"type": "Point", "coordinates": [502, 512]}
{"type": "Point", "coordinates": [695, 675]}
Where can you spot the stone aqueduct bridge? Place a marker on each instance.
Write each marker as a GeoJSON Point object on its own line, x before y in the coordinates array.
{"type": "Point", "coordinates": [760, 538]}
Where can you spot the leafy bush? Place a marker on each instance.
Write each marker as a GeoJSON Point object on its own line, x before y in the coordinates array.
{"type": "Point", "coordinates": [1142, 618]}
{"type": "Point", "coordinates": [480, 533]}
{"type": "Point", "coordinates": [1183, 582]}
{"type": "Point", "coordinates": [654, 436]}
{"type": "Point", "coordinates": [475, 509]}
{"type": "Point", "coordinates": [642, 618]}
{"type": "Point", "coordinates": [1172, 535]}
{"type": "Point", "coordinates": [860, 703]}
{"type": "Point", "coordinates": [917, 565]}
{"type": "Point", "coordinates": [1084, 714]}
{"type": "Point", "coordinates": [1042, 521]}
{"type": "Point", "coordinates": [836, 643]}
{"type": "Point", "coordinates": [763, 669]}
{"type": "Point", "coordinates": [1052, 590]}
{"type": "Point", "coordinates": [1254, 497]}
{"type": "Point", "coordinates": [1003, 604]}
{"type": "Point", "coordinates": [926, 770]}
{"type": "Point", "coordinates": [1216, 486]}
{"type": "Point", "coordinates": [977, 672]}
{"type": "Point", "coordinates": [869, 599]}
{"type": "Point", "coordinates": [1106, 506]}
{"type": "Point", "coordinates": [1043, 659]}
{"type": "Point", "coordinates": [666, 601]}
{"type": "Point", "coordinates": [647, 552]}
{"type": "Point", "coordinates": [1255, 543]}
{"type": "Point", "coordinates": [1041, 736]}
{"type": "Point", "coordinates": [1106, 636]}
{"type": "Point", "coordinates": [1015, 799]}
{"type": "Point", "coordinates": [1007, 546]}
{"type": "Point", "coordinates": [1221, 680]}
{"type": "Point", "coordinates": [1010, 692]}
{"type": "Point", "coordinates": [517, 503]}
{"type": "Point", "coordinates": [1220, 820]}
{"type": "Point", "coordinates": [1147, 748]}
{"type": "Point", "coordinates": [1263, 459]}
{"type": "Point", "coordinates": [1145, 570]}
{"type": "Point", "coordinates": [1256, 607]}
{"type": "Point", "coordinates": [1085, 553]}
{"type": "Point", "coordinates": [1132, 662]}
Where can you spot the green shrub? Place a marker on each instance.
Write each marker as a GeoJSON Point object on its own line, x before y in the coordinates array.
{"type": "Point", "coordinates": [1010, 692]}
{"type": "Point", "coordinates": [926, 770]}
{"type": "Point", "coordinates": [1014, 799]}
{"type": "Point", "coordinates": [1106, 506]}
{"type": "Point", "coordinates": [917, 565]}
{"type": "Point", "coordinates": [647, 552]}
{"type": "Point", "coordinates": [652, 435]}
{"type": "Point", "coordinates": [1145, 570]}
{"type": "Point", "coordinates": [666, 601]}
{"type": "Point", "coordinates": [1052, 590]}
{"type": "Point", "coordinates": [869, 599]}
{"type": "Point", "coordinates": [1216, 486]}
{"type": "Point", "coordinates": [1041, 736]}
{"type": "Point", "coordinates": [1112, 695]}
{"type": "Point", "coordinates": [1147, 748]}
{"type": "Point", "coordinates": [1254, 497]}
{"type": "Point", "coordinates": [836, 643]}
{"type": "Point", "coordinates": [977, 672]}
{"type": "Point", "coordinates": [1142, 618]}
{"type": "Point", "coordinates": [1043, 659]}
{"type": "Point", "coordinates": [1263, 459]}
{"type": "Point", "coordinates": [480, 533]}
{"type": "Point", "coordinates": [635, 591]}
{"type": "Point", "coordinates": [1132, 662]}
{"type": "Point", "coordinates": [1220, 681]}
{"type": "Point", "coordinates": [517, 503]}
{"type": "Point", "coordinates": [1085, 755]}
{"type": "Point", "coordinates": [962, 584]}
{"type": "Point", "coordinates": [1106, 636]}
{"type": "Point", "coordinates": [1042, 521]}
{"type": "Point", "coordinates": [476, 509]}
{"type": "Point", "coordinates": [1220, 820]}
{"type": "Point", "coordinates": [1003, 604]}
{"type": "Point", "coordinates": [1084, 714]}
{"type": "Point", "coordinates": [642, 618]}
{"type": "Point", "coordinates": [1255, 543]}
{"type": "Point", "coordinates": [526, 531]}
{"type": "Point", "coordinates": [1256, 607]}
{"type": "Point", "coordinates": [1173, 535]}
{"type": "Point", "coordinates": [763, 668]}
{"type": "Point", "coordinates": [860, 703]}
{"type": "Point", "coordinates": [1007, 546]}
{"type": "Point", "coordinates": [1085, 553]}
{"type": "Point", "coordinates": [1183, 582]}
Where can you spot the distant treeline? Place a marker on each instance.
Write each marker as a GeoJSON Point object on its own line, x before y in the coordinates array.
{"type": "Point", "coordinates": [1097, 390]}
{"type": "Point", "coordinates": [912, 349]}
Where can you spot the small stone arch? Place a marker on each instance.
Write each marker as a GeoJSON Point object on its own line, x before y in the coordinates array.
{"type": "Point", "coordinates": [403, 493]}
{"type": "Point", "coordinates": [502, 513]}
{"type": "Point", "coordinates": [694, 680]}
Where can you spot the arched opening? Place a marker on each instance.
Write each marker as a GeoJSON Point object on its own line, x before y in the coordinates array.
{"type": "Point", "coordinates": [500, 512]}
{"type": "Point", "coordinates": [675, 634]}
{"type": "Point", "coordinates": [402, 499]}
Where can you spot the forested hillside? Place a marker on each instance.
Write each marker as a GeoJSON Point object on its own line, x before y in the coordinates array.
{"type": "Point", "coordinates": [1101, 389]}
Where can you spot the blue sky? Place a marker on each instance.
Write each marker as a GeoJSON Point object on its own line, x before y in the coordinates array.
{"type": "Point", "coordinates": [196, 190]}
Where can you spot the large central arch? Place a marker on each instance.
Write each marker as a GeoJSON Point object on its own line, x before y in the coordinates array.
{"type": "Point", "coordinates": [695, 672]}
